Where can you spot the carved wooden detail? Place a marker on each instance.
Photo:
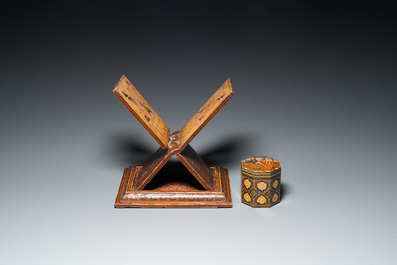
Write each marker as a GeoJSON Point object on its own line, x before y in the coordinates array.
{"type": "Point", "coordinates": [214, 179]}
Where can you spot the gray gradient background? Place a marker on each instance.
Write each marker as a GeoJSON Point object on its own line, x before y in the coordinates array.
{"type": "Point", "coordinates": [315, 88]}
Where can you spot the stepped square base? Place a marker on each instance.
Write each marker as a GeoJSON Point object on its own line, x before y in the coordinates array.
{"type": "Point", "coordinates": [173, 190]}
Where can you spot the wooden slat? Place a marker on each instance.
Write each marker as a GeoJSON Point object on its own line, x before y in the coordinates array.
{"type": "Point", "coordinates": [142, 111]}
{"type": "Point", "coordinates": [206, 113]}
{"type": "Point", "coordinates": [151, 168]}
{"type": "Point", "coordinates": [198, 167]}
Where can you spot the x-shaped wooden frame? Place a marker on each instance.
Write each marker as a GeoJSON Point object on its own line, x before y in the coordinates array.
{"type": "Point", "coordinates": [214, 179]}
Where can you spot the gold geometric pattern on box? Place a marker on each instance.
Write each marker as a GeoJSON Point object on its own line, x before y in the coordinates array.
{"type": "Point", "coordinates": [260, 181]}
{"type": "Point", "coordinates": [261, 186]}
{"type": "Point", "coordinates": [247, 197]}
{"type": "Point", "coordinates": [247, 183]}
{"type": "Point", "coordinates": [275, 183]}
{"type": "Point", "coordinates": [261, 199]}
{"type": "Point", "coordinates": [275, 197]}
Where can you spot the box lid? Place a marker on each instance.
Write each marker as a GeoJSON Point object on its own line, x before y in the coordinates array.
{"type": "Point", "coordinates": [260, 164]}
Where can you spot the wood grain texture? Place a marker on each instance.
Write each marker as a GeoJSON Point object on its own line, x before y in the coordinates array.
{"type": "Point", "coordinates": [131, 198]}
{"type": "Point", "coordinates": [198, 167]}
{"type": "Point", "coordinates": [178, 192]}
{"type": "Point", "coordinates": [157, 161]}
{"type": "Point", "coordinates": [152, 167]}
{"type": "Point", "coordinates": [142, 111]}
{"type": "Point", "coordinates": [206, 113]}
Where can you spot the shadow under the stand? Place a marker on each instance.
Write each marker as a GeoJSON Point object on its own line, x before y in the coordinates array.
{"type": "Point", "coordinates": [174, 177]}
{"type": "Point", "coordinates": [126, 150]}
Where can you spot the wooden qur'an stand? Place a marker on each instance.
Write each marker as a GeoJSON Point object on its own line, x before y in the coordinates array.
{"type": "Point", "coordinates": [156, 185]}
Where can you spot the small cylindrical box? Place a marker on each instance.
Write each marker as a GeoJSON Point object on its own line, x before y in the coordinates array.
{"type": "Point", "coordinates": [260, 181]}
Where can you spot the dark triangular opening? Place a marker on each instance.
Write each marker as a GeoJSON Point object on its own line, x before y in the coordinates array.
{"type": "Point", "coordinates": [174, 176]}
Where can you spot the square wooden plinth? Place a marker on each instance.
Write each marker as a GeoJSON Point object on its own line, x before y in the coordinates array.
{"type": "Point", "coordinates": [174, 194]}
